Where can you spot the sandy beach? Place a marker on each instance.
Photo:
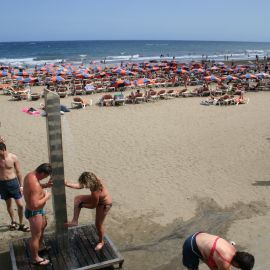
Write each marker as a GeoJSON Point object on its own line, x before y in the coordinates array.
{"type": "Point", "coordinates": [172, 166]}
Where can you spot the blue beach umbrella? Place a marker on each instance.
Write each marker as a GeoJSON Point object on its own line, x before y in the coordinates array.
{"type": "Point", "coordinates": [57, 79]}
{"type": "Point", "coordinates": [229, 78]}
{"type": "Point", "coordinates": [248, 76]}
{"type": "Point", "coordinates": [212, 78]}
{"type": "Point", "coordinates": [4, 73]}
{"type": "Point", "coordinates": [262, 75]}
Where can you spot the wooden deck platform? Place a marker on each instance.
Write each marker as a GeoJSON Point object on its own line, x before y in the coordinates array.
{"type": "Point", "coordinates": [79, 255]}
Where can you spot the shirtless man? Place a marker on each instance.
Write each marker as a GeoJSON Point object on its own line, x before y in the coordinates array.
{"type": "Point", "coordinates": [99, 199]}
{"type": "Point", "coordinates": [11, 182]}
{"type": "Point", "coordinates": [216, 252]}
{"type": "Point", "coordinates": [36, 198]}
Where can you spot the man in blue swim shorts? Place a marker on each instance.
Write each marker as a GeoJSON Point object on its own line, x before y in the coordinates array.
{"type": "Point", "coordinates": [36, 198]}
{"type": "Point", "coordinates": [11, 182]}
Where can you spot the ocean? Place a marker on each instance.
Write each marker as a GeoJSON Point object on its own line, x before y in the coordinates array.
{"type": "Point", "coordinates": [117, 51]}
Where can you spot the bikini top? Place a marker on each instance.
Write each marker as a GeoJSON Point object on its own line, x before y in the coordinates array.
{"type": "Point", "coordinates": [211, 262]}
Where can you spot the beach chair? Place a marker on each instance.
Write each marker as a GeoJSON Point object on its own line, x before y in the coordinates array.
{"type": "Point", "coordinates": [79, 102]}
{"type": "Point", "coordinates": [106, 100]}
{"type": "Point", "coordinates": [119, 99]}
{"type": "Point", "coordinates": [19, 94]}
{"type": "Point", "coordinates": [171, 93]}
{"type": "Point", "coordinates": [89, 89]}
{"type": "Point", "coordinates": [241, 100]}
{"type": "Point", "coordinates": [62, 91]}
{"type": "Point", "coordinates": [152, 95]}
{"type": "Point", "coordinates": [78, 89]}
{"type": "Point", "coordinates": [34, 96]}
{"type": "Point", "coordinates": [162, 94]}
{"type": "Point", "coordinates": [139, 98]}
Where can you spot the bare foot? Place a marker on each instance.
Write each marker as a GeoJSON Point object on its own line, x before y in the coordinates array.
{"type": "Point", "coordinates": [99, 246]}
{"type": "Point", "coordinates": [40, 262]}
{"type": "Point", "coordinates": [71, 224]}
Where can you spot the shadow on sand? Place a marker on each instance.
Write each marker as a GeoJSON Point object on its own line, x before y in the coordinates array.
{"type": "Point", "coordinates": [147, 245]}
{"type": "Point", "coordinates": [261, 183]}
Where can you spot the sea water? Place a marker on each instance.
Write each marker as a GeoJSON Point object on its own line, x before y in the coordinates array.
{"type": "Point", "coordinates": [117, 51]}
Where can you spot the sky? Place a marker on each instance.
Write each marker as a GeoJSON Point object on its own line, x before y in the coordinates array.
{"type": "Point", "coordinates": [219, 20]}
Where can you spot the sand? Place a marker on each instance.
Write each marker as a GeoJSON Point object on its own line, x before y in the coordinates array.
{"type": "Point", "coordinates": [173, 167]}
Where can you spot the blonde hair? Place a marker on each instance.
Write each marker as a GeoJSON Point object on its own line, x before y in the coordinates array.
{"type": "Point", "coordinates": [90, 180]}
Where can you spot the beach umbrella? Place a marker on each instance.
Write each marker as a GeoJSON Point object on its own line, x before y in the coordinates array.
{"type": "Point", "coordinates": [262, 75]}
{"type": "Point", "coordinates": [198, 70]}
{"type": "Point", "coordinates": [212, 78]}
{"type": "Point", "coordinates": [85, 75]}
{"type": "Point", "coordinates": [181, 71]}
{"type": "Point", "coordinates": [96, 69]}
{"type": "Point", "coordinates": [25, 80]}
{"type": "Point", "coordinates": [4, 73]}
{"type": "Point", "coordinates": [249, 76]}
{"type": "Point", "coordinates": [229, 78]}
{"type": "Point", "coordinates": [122, 83]}
{"type": "Point", "coordinates": [142, 81]}
{"type": "Point", "coordinates": [57, 79]}
{"type": "Point", "coordinates": [22, 73]}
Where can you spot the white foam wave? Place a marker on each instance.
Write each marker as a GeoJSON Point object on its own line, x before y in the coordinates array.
{"type": "Point", "coordinates": [27, 61]}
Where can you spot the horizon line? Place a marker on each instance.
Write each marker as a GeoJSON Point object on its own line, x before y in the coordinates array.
{"type": "Point", "coordinates": [82, 40]}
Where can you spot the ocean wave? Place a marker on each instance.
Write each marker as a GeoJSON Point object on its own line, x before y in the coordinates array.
{"type": "Point", "coordinates": [255, 51]}
{"type": "Point", "coordinates": [27, 61]}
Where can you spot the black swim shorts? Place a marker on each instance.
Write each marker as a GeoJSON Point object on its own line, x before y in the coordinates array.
{"type": "Point", "coordinates": [191, 253]}
{"type": "Point", "coordinates": [10, 189]}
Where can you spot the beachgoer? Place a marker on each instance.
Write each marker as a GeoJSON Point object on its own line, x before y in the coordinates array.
{"type": "Point", "coordinates": [216, 252]}
{"type": "Point", "coordinates": [36, 198]}
{"type": "Point", "coordinates": [11, 182]}
{"type": "Point", "coordinates": [99, 199]}
{"type": "Point", "coordinates": [63, 109]}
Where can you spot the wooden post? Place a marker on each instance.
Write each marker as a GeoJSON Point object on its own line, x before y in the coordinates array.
{"type": "Point", "coordinates": [55, 149]}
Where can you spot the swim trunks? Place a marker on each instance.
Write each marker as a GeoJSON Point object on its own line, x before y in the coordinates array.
{"type": "Point", "coordinates": [29, 213]}
{"type": "Point", "coordinates": [10, 189]}
{"type": "Point", "coordinates": [191, 253]}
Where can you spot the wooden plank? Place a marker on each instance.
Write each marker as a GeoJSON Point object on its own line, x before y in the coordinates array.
{"type": "Point", "coordinates": [55, 255]}
{"type": "Point", "coordinates": [29, 257]}
{"type": "Point", "coordinates": [74, 250]}
{"type": "Point", "coordinates": [80, 255]}
{"type": "Point", "coordinates": [93, 239]}
{"type": "Point", "coordinates": [84, 254]}
{"type": "Point", "coordinates": [101, 265]}
{"type": "Point", "coordinates": [20, 262]}
{"type": "Point", "coordinates": [12, 257]}
{"type": "Point", "coordinates": [103, 252]}
{"type": "Point", "coordinates": [88, 246]}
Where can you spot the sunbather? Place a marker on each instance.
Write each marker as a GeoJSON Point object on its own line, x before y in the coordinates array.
{"type": "Point", "coordinates": [99, 199]}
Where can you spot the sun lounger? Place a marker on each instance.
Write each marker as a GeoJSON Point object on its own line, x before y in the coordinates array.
{"type": "Point", "coordinates": [80, 102]}
{"type": "Point", "coordinates": [139, 98]}
{"type": "Point", "coordinates": [152, 96]}
{"type": "Point", "coordinates": [89, 89]}
{"type": "Point", "coordinates": [119, 99]}
{"type": "Point", "coordinates": [171, 93]}
{"type": "Point", "coordinates": [78, 89]}
{"type": "Point", "coordinates": [106, 100]}
{"type": "Point", "coordinates": [162, 94]}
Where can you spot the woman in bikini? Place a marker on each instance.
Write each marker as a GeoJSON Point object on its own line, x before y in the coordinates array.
{"type": "Point", "coordinates": [216, 252]}
{"type": "Point", "coordinates": [99, 199]}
